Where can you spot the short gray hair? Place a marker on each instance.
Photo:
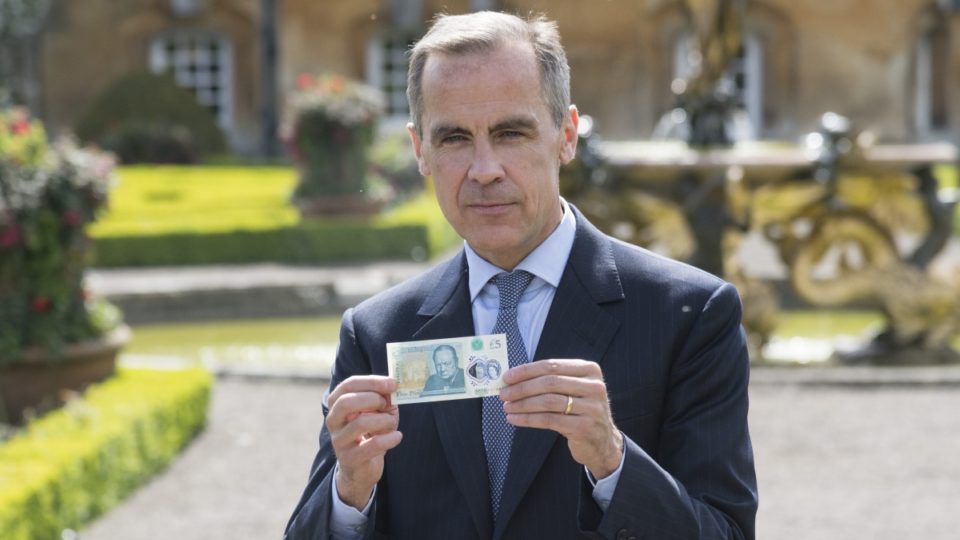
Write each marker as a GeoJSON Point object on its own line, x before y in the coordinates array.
{"type": "Point", "coordinates": [486, 31]}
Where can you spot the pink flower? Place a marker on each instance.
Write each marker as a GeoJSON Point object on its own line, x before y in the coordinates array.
{"type": "Point", "coordinates": [304, 81]}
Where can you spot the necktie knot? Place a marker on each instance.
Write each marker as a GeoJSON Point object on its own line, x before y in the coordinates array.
{"type": "Point", "coordinates": [511, 286]}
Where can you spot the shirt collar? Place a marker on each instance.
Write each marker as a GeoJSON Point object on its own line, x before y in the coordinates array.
{"type": "Point", "coordinates": [546, 261]}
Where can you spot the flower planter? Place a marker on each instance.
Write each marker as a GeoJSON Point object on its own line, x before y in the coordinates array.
{"type": "Point", "coordinates": [329, 129]}
{"type": "Point", "coordinates": [40, 381]}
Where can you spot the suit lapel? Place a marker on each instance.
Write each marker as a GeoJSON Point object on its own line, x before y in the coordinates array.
{"type": "Point", "coordinates": [576, 327]}
{"type": "Point", "coordinates": [459, 421]}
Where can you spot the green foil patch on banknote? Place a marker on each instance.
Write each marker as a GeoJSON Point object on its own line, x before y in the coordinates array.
{"type": "Point", "coordinates": [444, 369]}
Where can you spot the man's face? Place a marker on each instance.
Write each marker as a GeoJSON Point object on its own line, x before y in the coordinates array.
{"type": "Point", "coordinates": [493, 150]}
{"type": "Point", "coordinates": [445, 363]}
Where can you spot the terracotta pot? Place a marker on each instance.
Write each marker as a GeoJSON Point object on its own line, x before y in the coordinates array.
{"type": "Point", "coordinates": [37, 382]}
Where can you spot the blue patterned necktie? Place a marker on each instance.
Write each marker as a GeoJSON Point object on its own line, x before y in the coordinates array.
{"type": "Point", "coordinates": [497, 433]}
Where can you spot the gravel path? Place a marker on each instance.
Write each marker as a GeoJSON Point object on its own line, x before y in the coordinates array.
{"type": "Point", "coordinates": [848, 463]}
{"type": "Point", "coordinates": [834, 462]}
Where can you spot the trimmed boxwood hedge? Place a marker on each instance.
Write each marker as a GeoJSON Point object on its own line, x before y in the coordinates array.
{"type": "Point", "coordinates": [80, 461]}
{"type": "Point", "coordinates": [307, 243]}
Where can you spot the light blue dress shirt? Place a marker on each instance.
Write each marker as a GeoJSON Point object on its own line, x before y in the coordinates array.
{"type": "Point", "coordinates": [546, 263]}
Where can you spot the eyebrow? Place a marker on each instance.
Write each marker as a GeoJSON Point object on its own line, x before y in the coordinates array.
{"type": "Point", "coordinates": [438, 133]}
{"type": "Point", "coordinates": [521, 123]}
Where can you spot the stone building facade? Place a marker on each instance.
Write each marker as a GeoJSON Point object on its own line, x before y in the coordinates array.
{"type": "Point", "coordinates": [891, 65]}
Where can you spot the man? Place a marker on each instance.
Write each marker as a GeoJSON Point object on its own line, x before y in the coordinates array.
{"type": "Point", "coordinates": [629, 420]}
{"type": "Point", "coordinates": [448, 377]}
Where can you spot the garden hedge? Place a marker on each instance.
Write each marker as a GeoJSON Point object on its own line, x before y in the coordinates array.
{"type": "Point", "coordinates": [78, 462]}
{"type": "Point", "coordinates": [307, 243]}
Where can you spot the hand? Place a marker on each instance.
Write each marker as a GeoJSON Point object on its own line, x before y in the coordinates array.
{"type": "Point", "coordinates": [536, 396]}
{"type": "Point", "coordinates": [363, 427]}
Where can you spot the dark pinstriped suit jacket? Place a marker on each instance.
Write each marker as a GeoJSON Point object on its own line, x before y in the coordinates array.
{"type": "Point", "coordinates": [668, 339]}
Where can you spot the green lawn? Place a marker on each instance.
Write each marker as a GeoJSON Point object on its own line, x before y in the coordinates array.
{"type": "Point", "coordinates": [210, 214]}
{"type": "Point", "coordinates": [149, 200]}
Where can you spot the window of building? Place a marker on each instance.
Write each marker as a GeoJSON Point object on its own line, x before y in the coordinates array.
{"type": "Point", "coordinates": [744, 77]}
{"type": "Point", "coordinates": [387, 69]}
{"type": "Point", "coordinates": [201, 62]}
{"type": "Point", "coordinates": [930, 84]}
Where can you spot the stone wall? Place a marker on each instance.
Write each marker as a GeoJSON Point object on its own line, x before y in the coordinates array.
{"type": "Point", "coordinates": [91, 43]}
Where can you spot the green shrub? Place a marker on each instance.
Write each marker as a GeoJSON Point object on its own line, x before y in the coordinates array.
{"type": "Point", "coordinates": [307, 243]}
{"type": "Point", "coordinates": [145, 117]}
{"type": "Point", "coordinates": [78, 462]}
{"type": "Point", "coordinates": [143, 142]}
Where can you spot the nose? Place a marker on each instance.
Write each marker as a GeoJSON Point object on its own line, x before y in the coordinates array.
{"type": "Point", "coordinates": [485, 167]}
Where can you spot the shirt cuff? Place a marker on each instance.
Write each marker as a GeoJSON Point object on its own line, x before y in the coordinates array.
{"type": "Point", "coordinates": [603, 489]}
{"type": "Point", "coordinates": [346, 522]}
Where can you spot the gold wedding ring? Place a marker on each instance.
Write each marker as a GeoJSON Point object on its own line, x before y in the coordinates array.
{"type": "Point", "coordinates": [569, 405]}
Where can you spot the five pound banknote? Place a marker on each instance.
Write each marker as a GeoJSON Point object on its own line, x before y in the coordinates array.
{"type": "Point", "coordinates": [442, 369]}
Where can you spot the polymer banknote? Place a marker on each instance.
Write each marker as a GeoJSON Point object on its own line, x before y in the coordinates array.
{"type": "Point", "coordinates": [444, 369]}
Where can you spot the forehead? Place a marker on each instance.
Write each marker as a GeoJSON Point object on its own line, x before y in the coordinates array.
{"type": "Point", "coordinates": [478, 85]}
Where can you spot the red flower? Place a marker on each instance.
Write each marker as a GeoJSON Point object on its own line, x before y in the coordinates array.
{"type": "Point", "coordinates": [41, 304]}
{"type": "Point", "coordinates": [20, 127]}
{"type": "Point", "coordinates": [71, 217]}
{"type": "Point", "coordinates": [9, 236]}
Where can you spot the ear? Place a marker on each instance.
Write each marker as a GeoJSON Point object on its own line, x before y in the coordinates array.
{"type": "Point", "coordinates": [568, 148]}
{"type": "Point", "coordinates": [418, 150]}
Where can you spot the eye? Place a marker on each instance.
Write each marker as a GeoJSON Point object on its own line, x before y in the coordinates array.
{"type": "Point", "coordinates": [511, 134]}
{"type": "Point", "coordinates": [453, 139]}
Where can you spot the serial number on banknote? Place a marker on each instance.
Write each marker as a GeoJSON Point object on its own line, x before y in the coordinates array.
{"type": "Point", "coordinates": [444, 369]}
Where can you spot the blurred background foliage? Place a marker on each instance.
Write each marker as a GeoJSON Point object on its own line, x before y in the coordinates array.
{"type": "Point", "coordinates": [146, 118]}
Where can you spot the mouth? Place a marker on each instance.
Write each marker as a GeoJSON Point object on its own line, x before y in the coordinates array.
{"type": "Point", "coordinates": [490, 208]}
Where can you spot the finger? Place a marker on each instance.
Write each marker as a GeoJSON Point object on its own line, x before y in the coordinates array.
{"type": "Point", "coordinates": [369, 449]}
{"type": "Point", "coordinates": [367, 423]}
{"type": "Point", "coordinates": [596, 409]}
{"type": "Point", "coordinates": [570, 426]}
{"type": "Point", "coordinates": [389, 409]}
{"type": "Point", "coordinates": [377, 384]}
{"type": "Point", "coordinates": [554, 384]}
{"type": "Point", "coordinates": [570, 367]}
{"type": "Point", "coordinates": [348, 406]}
{"type": "Point", "coordinates": [557, 403]}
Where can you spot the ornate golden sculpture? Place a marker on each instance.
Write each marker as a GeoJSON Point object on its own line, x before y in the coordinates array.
{"type": "Point", "coordinates": [836, 219]}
